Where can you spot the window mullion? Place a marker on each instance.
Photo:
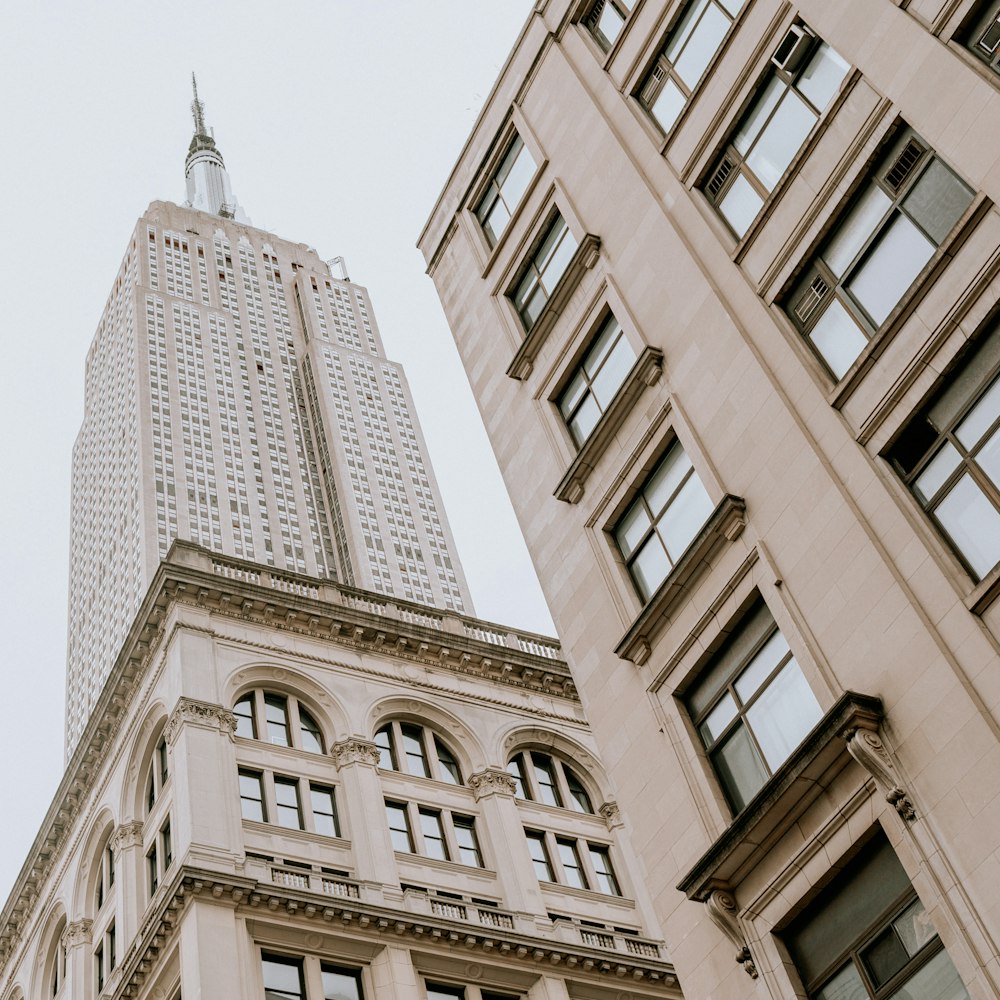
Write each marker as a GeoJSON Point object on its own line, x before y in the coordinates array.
{"type": "Point", "coordinates": [430, 752]}
{"type": "Point", "coordinates": [528, 776]}
{"type": "Point", "coordinates": [270, 796]}
{"type": "Point", "coordinates": [416, 828]}
{"type": "Point", "coordinates": [294, 722]}
{"type": "Point", "coordinates": [586, 866]}
{"type": "Point", "coordinates": [259, 715]}
{"type": "Point", "coordinates": [450, 840]}
{"type": "Point", "coordinates": [561, 784]}
{"type": "Point", "coordinates": [555, 858]}
{"type": "Point", "coordinates": [396, 748]}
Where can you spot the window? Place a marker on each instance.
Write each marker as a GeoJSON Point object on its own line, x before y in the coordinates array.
{"type": "Point", "coordinates": [542, 778]}
{"type": "Point", "coordinates": [152, 869]}
{"type": "Point", "coordinates": [105, 876]}
{"type": "Point", "coordinates": [876, 251]}
{"type": "Point", "coordinates": [60, 954]}
{"type": "Point", "coordinates": [439, 991]}
{"type": "Point", "coordinates": [156, 779]}
{"type": "Point", "coordinates": [433, 833]}
{"type": "Point", "coordinates": [752, 707]}
{"type": "Point", "coordinates": [547, 265]}
{"type": "Point", "coordinates": [287, 978]}
{"type": "Point", "coordinates": [605, 19]}
{"type": "Point", "coordinates": [982, 33]}
{"type": "Point", "coordinates": [282, 719]}
{"type": "Point", "coordinates": [105, 958]}
{"type": "Point", "coordinates": [689, 48]}
{"type": "Point", "coordinates": [505, 190]}
{"type": "Point", "coordinates": [806, 75]}
{"type": "Point", "coordinates": [662, 521]}
{"type": "Point", "coordinates": [949, 455]}
{"type": "Point", "coordinates": [600, 375]}
{"type": "Point", "coordinates": [416, 750]}
{"type": "Point", "coordinates": [264, 794]}
{"type": "Point", "coordinates": [869, 936]}
{"type": "Point", "coordinates": [581, 864]}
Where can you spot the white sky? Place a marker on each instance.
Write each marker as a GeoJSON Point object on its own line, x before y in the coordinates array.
{"type": "Point", "coordinates": [339, 122]}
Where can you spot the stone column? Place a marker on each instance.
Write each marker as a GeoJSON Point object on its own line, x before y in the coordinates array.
{"type": "Point", "coordinates": [364, 810]}
{"type": "Point", "coordinates": [213, 963]}
{"type": "Point", "coordinates": [129, 887]}
{"type": "Point", "coordinates": [77, 939]}
{"type": "Point", "coordinates": [393, 975]}
{"type": "Point", "coordinates": [501, 825]}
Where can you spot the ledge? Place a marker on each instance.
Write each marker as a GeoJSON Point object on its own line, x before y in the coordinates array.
{"type": "Point", "coordinates": [583, 260]}
{"type": "Point", "coordinates": [726, 523]}
{"type": "Point", "coordinates": [766, 817]}
{"type": "Point", "coordinates": [645, 372]}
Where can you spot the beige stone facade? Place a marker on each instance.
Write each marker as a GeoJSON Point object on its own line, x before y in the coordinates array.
{"type": "Point", "coordinates": [724, 278]}
{"type": "Point", "coordinates": [224, 825]}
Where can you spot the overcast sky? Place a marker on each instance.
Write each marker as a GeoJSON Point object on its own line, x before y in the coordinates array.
{"type": "Point", "coordinates": [339, 122]}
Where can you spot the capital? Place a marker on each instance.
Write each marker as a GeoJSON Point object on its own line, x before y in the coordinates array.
{"type": "Point", "coordinates": [354, 750]}
{"type": "Point", "coordinates": [491, 781]}
{"type": "Point", "coordinates": [199, 713]}
{"type": "Point", "coordinates": [127, 835]}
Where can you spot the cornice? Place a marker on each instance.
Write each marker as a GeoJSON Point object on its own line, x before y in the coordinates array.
{"type": "Point", "coordinates": [277, 902]}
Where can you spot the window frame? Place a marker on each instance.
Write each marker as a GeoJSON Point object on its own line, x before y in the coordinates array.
{"type": "Point", "coordinates": [580, 846]}
{"type": "Point", "coordinates": [981, 20]}
{"type": "Point", "coordinates": [729, 164]}
{"type": "Point", "coordinates": [816, 289]}
{"type": "Point", "coordinates": [294, 710]}
{"type": "Point", "coordinates": [649, 86]}
{"type": "Point", "coordinates": [446, 819]}
{"type": "Point", "coordinates": [529, 266]}
{"type": "Point", "coordinates": [304, 785]}
{"type": "Point", "coordinates": [592, 17]}
{"type": "Point", "coordinates": [523, 761]}
{"type": "Point", "coordinates": [311, 969]}
{"type": "Point", "coordinates": [436, 989]}
{"type": "Point", "coordinates": [157, 774]}
{"type": "Point", "coordinates": [394, 752]}
{"type": "Point", "coordinates": [490, 186]}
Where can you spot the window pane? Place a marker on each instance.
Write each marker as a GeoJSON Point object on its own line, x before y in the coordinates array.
{"type": "Point", "coordinates": [650, 567]}
{"type": "Point", "coordinates": [781, 139]}
{"type": "Point", "coordinates": [668, 105]}
{"type": "Point", "coordinates": [610, 24]}
{"type": "Point", "coordinates": [937, 980]}
{"type": "Point", "coordinates": [940, 467]}
{"type": "Point", "coordinates": [383, 740]}
{"type": "Point", "coordinates": [445, 992]}
{"type": "Point", "coordinates": [822, 77]}
{"type": "Point", "coordinates": [758, 114]}
{"type": "Point", "coordinates": [740, 205]}
{"type": "Point", "coordinates": [973, 524]}
{"type": "Point", "coordinates": [243, 710]}
{"type": "Point", "coordinates": [739, 768]}
{"type": "Point", "coordinates": [516, 182]}
{"type": "Point", "coordinates": [545, 778]}
{"type": "Point", "coordinates": [580, 798]}
{"type": "Point", "coordinates": [838, 339]}
{"type": "Point", "coordinates": [733, 6]}
{"type": "Point", "coordinates": [571, 864]}
{"type": "Point", "coordinates": [914, 927]}
{"type": "Point", "coordinates": [783, 714]}
{"type": "Point", "coordinates": [718, 719]}
{"type": "Point", "coordinates": [575, 390]}
{"type": "Point", "coordinates": [685, 517]}
{"type": "Point", "coordinates": [399, 827]}
{"type": "Point", "coordinates": [276, 713]}
{"type": "Point", "coordinates": [683, 30]}
{"type": "Point", "coordinates": [496, 221]}
{"type": "Point", "coordinates": [988, 458]}
{"type": "Point", "coordinates": [938, 200]}
{"type": "Point", "coordinates": [601, 346]}
{"type": "Point", "coordinates": [286, 794]}
{"type": "Point", "coordinates": [282, 978]}
{"type": "Point", "coordinates": [585, 420]}
{"type": "Point", "coordinates": [324, 811]}
{"type": "Point", "coordinates": [631, 528]}
{"type": "Point", "coordinates": [449, 770]}
{"type": "Point", "coordinates": [559, 262]}
{"type": "Point", "coordinates": [413, 748]}
{"type": "Point", "coordinates": [612, 374]}
{"type": "Point", "coordinates": [430, 827]}
{"type": "Point", "coordinates": [601, 860]}
{"type": "Point", "coordinates": [845, 985]}
{"type": "Point", "coordinates": [539, 856]}
{"type": "Point", "coordinates": [340, 984]}
{"type": "Point", "coordinates": [666, 478]}
{"type": "Point", "coordinates": [514, 770]}
{"type": "Point", "coordinates": [854, 231]}
{"type": "Point", "coordinates": [702, 45]}
{"type": "Point", "coordinates": [760, 667]}
{"type": "Point", "coordinates": [899, 256]}
{"type": "Point", "coordinates": [309, 732]}
{"type": "Point", "coordinates": [468, 845]}
{"type": "Point", "coordinates": [251, 797]}
{"type": "Point", "coordinates": [980, 418]}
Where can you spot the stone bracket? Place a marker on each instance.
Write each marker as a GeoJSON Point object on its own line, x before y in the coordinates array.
{"type": "Point", "coordinates": [867, 749]}
{"type": "Point", "coordinates": [722, 909]}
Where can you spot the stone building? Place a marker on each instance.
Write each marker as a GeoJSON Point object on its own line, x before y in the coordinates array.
{"type": "Point", "coordinates": [724, 277]}
{"type": "Point", "coordinates": [297, 769]}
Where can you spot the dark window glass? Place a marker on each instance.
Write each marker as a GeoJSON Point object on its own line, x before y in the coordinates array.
{"type": "Point", "coordinates": [286, 796]}
{"type": "Point", "coordinates": [433, 833]}
{"type": "Point", "coordinates": [949, 455]}
{"type": "Point", "coordinates": [324, 810]}
{"type": "Point", "coordinates": [168, 847]}
{"type": "Point", "coordinates": [243, 710]}
{"type": "Point", "coordinates": [539, 855]}
{"type": "Point", "coordinates": [505, 190]}
{"type": "Point", "coordinates": [152, 869]}
{"type": "Point", "coordinates": [572, 869]}
{"type": "Point", "coordinates": [399, 827]}
{"type": "Point", "coordinates": [600, 859]}
{"type": "Point", "coordinates": [282, 978]}
{"type": "Point", "coordinates": [340, 983]}
{"type": "Point", "coordinates": [605, 19]}
{"type": "Point", "coordinates": [468, 845]}
{"type": "Point", "coordinates": [252, 796]}
{"type": "Point", "coordinates": [435, 991]}
{"type": "Point", "coordinates": [449, 770]}
{"type": "Point", "coordinates": [276, 714]}
{"type": "Point", "coordinates": [386, 751]}
{"type": "Point", "coordinates": [547, 265]}
{"type": "Point", "coordinates": [413, 750]}
{"type": "Point", "coordinates": [981, 33]}
{"type": "Point", "coordinates": [311, 737]}
{"type": "Point", "coordinates": [545, 779]}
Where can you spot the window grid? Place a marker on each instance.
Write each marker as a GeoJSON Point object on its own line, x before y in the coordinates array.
{"type": "Point", "coordinates": [546, 266]}
{"type": "Point", "coordinates": [279, 719]}
{"type": "Point", "coordinates": [540, 777]}
{"type": "Point", "coordinates": [581, 864]}
{"type": "Point", "coordinates": [605, 20]}
{"type": "Point", "coordinates": [505, 190]}
{"type": "Point", "coordinates": [441, 834]}
{"type": "Point", "coordinates": [416, 750]}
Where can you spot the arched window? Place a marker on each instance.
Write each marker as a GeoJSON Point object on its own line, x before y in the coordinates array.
{"type": "Point", "coordinates": [57, 972]}
{"type": "Point", "coordinates": [103, 927]}
{"type": "Point", "coordinates": [278, 719]}
{"type": "Point", "coordinates": [543, 778]}
{"type": "Point", "coordinates": [416, 750]}
{"type": "Point", "coordinates": [159, 772]}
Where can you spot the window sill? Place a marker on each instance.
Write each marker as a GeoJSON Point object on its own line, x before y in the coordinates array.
{"type": "Point", "coordinates": [308, 836]}
{"type": "Point", "coordinates": [726, 523]}
{"type": "Point", "coordinates": [412, 857]}
{"type": "Point", "coordinates": [645, 372]}
{"type": "Point", "coordinates": [811, 767]}
{"type": "Point", "coordinates": [583, 260]}
{"type": "Point", "coordinates": [588, 894]}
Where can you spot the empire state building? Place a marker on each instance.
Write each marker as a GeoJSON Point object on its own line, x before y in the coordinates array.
{"type": "Point", "coordinates": [238, 396]}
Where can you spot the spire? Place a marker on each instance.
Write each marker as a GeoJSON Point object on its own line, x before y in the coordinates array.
{"type": "Point", "coordinates": [208, 188]}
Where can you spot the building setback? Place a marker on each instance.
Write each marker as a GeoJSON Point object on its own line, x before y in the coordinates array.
{"type": "Point", "coordinates": [723, 274]}
{"type": "Point", "coordinates": [238, 396]}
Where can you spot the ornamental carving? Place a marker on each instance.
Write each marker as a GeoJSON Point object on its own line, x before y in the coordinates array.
{"type": "Point", "coordinates": [492, 781]}
{"type": "Point", "coordinates": [78, 933]}
{"type": "Point", "coordinates": [127, 835]}
{"type": "Point", "coordinates": [199, 713]}
{"type": "Point", "coordinates": [611, 815]}
{"type": "Point", "coordinates": [868, 750]}
{"type": "Point", "coordinates": [354, 751]}
{"type": "Point", "coordinates": [722, 909]}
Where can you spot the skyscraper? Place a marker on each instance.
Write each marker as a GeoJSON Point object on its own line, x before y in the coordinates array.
{"type": "Point", "coordinates": [246, 382]}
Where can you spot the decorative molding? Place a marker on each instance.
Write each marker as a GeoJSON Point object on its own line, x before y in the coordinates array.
{"type": "Point", "coordinates": [78, 933]}
{"type": "Point", "coordinates": [354, 750]}
{"type": "Point", "coordinates": [199, 713]}
{"type": "Point", "coordinates": [127, 835]}
{"type": "Point", "coordinates": [612, 816]}
{"type": "Point", "coordinates": [721, 906]}
{"type": "Point", "coordinates": [491, 781]}
{"type": "Point", "coordinates": [868, 750]}
{"type": "Point", "coordinates": [645, 372]}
